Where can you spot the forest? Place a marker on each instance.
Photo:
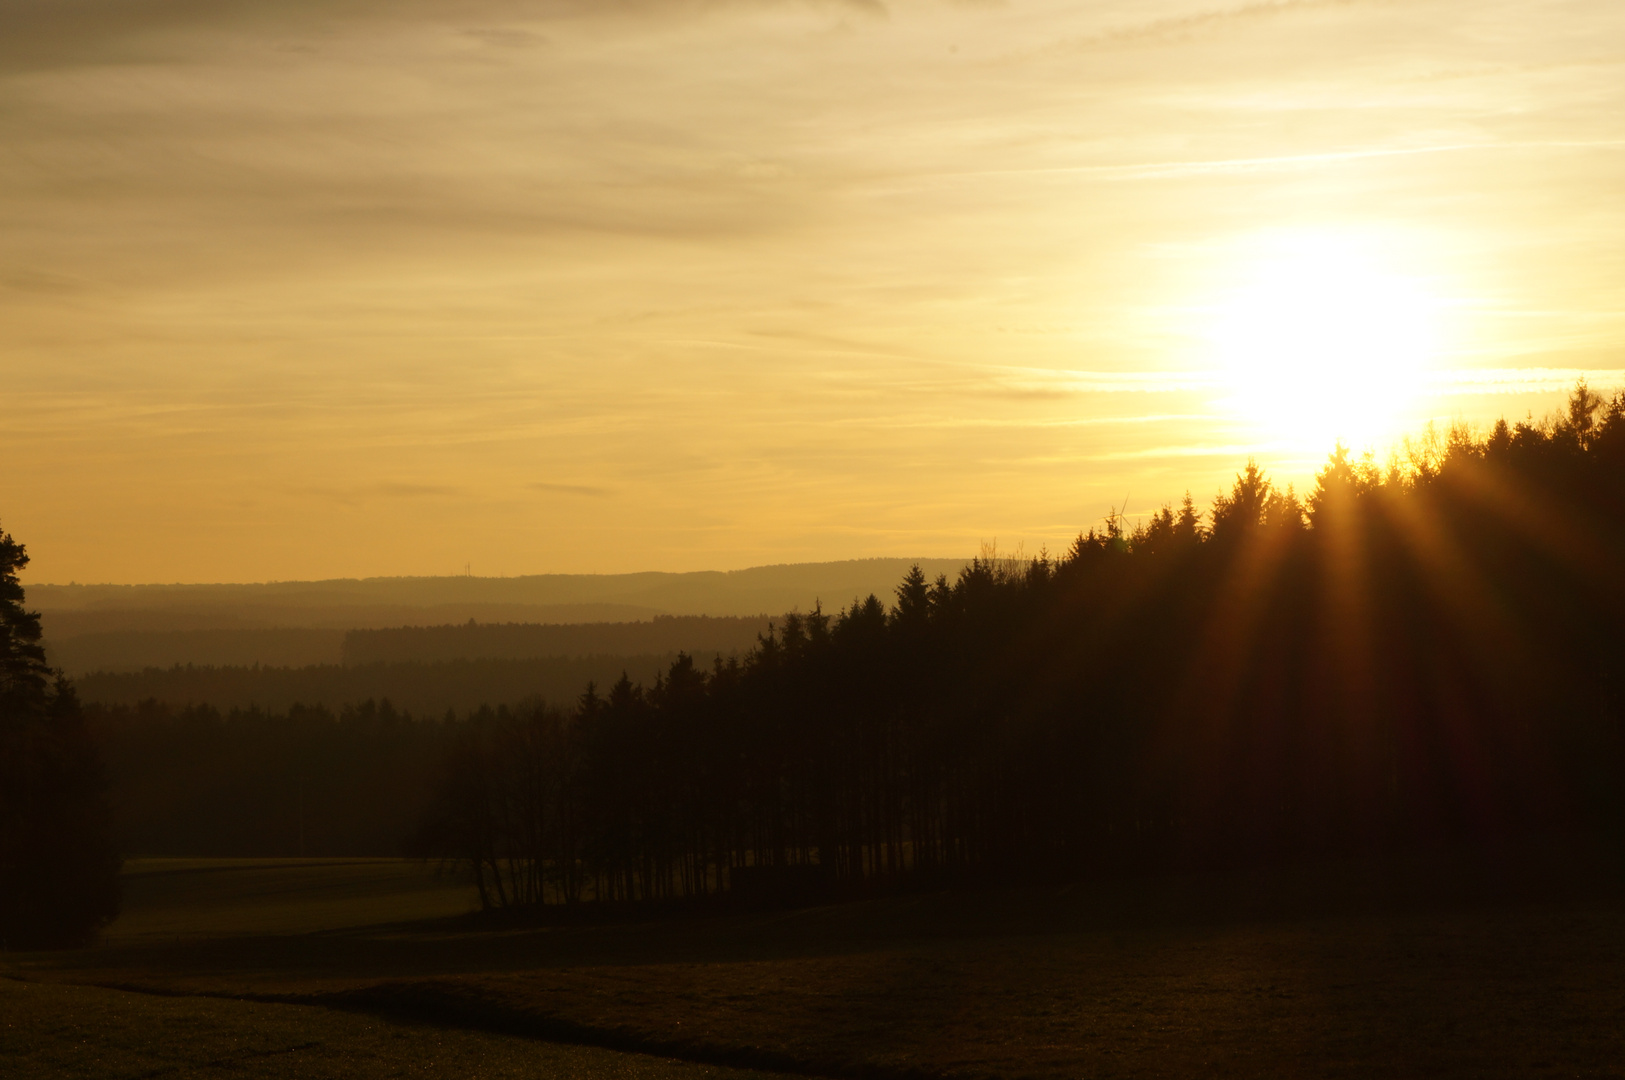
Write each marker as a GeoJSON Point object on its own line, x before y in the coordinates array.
{"type": "Point", "coordinates": [201, 782]}
{"type": "Point", "coordinates": [140, 652]}
{"type": "Point", "coordinates": [1422, 651]}
{"type": "Point", "coordinates": [1419, 653]}
{"type": "Point", "coordinates": [421, 688]}
{"type": "Point", "coordinates": [517, 641]}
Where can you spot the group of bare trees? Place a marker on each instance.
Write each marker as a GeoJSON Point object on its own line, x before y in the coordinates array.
{"type": "Point", "coordinates": [1428, 650]}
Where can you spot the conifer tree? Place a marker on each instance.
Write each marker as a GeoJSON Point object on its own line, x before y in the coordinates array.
{"type": "Point", "coordinates": [58, 865]}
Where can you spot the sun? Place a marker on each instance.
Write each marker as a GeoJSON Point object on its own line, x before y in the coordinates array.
{"type": "Point", "coordinates": [1321, 340]}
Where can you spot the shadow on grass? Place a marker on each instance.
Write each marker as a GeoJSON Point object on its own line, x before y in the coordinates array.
{"type": "Point", "coordinates": [1430, 960]}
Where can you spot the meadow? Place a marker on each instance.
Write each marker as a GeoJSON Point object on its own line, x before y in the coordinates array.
{"type": "Point", "coordinates": [1451, 965]}
{"type": "Point", "coordinates": [181, 899]}
{"type": "Point", "coordinates": [58, 1031]}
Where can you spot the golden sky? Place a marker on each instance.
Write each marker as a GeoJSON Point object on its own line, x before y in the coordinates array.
{"type": "Point", "coordinates": [293, 289]}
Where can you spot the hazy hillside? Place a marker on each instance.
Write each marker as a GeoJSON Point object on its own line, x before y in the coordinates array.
{"type": "Point", "coordinates": [130, 627]}
{"type": "Point", "coordinates": [512, 641]}
{"type": "Point", "coordinates": [122, 614]}
{"type": "Point", "coordinates": [421, 689]}
{"type": "Point", "coordinates": [709, 592]}
{"type": "Point", "coordinates": [133, 650]}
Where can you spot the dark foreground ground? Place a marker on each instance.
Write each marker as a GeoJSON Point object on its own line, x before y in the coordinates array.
{"type": "Point", "coordinates": [1483, 967]}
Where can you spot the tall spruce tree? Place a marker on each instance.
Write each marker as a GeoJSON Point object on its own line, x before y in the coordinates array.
{"type": "Point", "coordinates": [58, 863]}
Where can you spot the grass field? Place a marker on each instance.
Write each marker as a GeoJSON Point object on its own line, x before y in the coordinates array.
{"type": "Point", "coordinates": [54, 1032]}
{"type": "Point", "coordinates": [212, 898]}
{"type": "Point", "coordinates": [1338, 970]}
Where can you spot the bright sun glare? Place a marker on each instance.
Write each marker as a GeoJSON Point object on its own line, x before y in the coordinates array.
{"type": "Point", "coordinates": [1321, 341]}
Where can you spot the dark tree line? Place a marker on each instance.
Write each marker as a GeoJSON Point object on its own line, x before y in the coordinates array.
{"type": "Point", "coordinates": [423, 689]}
{"type": "Point", "coordinates": [195, 781]}
{"type": "Point", "coordinates": [663, 634]}
{"type": "Point", "coordinates": [1424, 651]}
{"type": "Point", "coordinates": [58, 864]}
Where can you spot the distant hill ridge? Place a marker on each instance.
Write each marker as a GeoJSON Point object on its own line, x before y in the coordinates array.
{"type": "Point", "coordinates": [293, 624]}
{"type": "Point", "coordinates": [705, 592]}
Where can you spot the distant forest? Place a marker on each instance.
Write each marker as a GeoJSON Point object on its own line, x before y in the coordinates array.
{"type": "Point", "coordinates": [1428, 650]}
{"type": "Point", "coordinates": [662, 634]}
{"type": "Point", "coordinates": [427, 670]}
{"type": "Point", "coordinates": [422, 689]}
{"type": "Point", "coordinates": [141, 653]}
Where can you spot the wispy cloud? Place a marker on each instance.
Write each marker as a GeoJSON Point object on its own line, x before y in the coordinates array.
{"type": "Point", "coordinates": [1198, 23]}
{"type": "Point", "coordinates": [408, 490]}
{"type": "Point", "coordinates": [568, 489]}
{"type": "Point", "coordinates": [362, 494]}
{"type": "Point", "coordinates": [1150, 170]}
{"type": "Point", "coordinates": [1524, 380]}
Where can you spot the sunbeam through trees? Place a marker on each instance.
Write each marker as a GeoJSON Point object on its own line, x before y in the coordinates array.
{"type": "Point", "coordinates": [1422, 652]}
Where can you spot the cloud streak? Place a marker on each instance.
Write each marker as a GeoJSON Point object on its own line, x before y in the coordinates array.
{"type": "Point", "coordinates": [1205, 22]}
{"type": "Point", "coordinates": [550, 488]}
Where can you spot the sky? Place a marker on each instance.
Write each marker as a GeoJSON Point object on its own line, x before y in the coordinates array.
{"type": "Point", "coordinates": [296, 290]}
